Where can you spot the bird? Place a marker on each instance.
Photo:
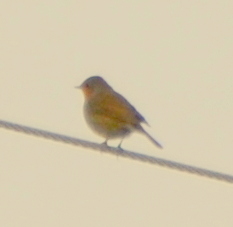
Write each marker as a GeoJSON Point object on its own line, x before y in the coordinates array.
{"type": "Point", "coordinates": [108, 113]}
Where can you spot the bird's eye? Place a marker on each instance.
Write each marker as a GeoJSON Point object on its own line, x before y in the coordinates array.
{"type": "Point", "coordinates": [87, 86]}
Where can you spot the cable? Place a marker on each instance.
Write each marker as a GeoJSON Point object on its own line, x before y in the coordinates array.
{"type": "Point", "coordinates": [118, 152]}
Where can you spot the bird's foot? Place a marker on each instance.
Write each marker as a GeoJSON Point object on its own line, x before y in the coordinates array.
{"type": "Point", "coordinates": [105, 143]}
{"type": "Point", "coordinates": [120, 148]}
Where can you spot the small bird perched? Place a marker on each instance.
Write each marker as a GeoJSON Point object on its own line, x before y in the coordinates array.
{"type": "Point", "coordinates": [108, 113]}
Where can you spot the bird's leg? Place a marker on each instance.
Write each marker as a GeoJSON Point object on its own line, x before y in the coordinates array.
{"type": "Point", "coordinates": [119, 146]}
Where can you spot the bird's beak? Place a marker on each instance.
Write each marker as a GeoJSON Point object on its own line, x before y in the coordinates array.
{"type": "Point", "coordinates": [78, 87]}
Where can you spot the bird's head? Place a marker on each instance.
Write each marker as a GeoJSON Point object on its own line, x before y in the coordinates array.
{"type": "Point", "coordinates": [93, 85]}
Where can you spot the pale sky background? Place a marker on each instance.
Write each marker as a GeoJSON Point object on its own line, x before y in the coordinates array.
{"type": "Point", "coordinates": [171, 59]}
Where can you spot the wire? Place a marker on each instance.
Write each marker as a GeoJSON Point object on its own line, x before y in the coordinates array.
{"type": "Point", "coordinates": [115, 151]}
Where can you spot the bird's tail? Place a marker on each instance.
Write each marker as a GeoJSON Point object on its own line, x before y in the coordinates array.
{"type": "Point", "coordinates": [150, 138]}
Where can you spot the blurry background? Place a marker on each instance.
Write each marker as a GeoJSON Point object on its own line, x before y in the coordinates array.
{"type": "Point", "coordinates": [171, 60]}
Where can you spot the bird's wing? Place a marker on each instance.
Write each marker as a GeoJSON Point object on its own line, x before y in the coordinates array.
{"type": "Point", "coordinates": [116, 106]}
